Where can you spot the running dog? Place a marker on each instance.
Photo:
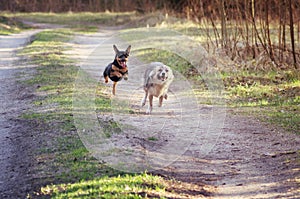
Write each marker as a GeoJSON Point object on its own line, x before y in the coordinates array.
{"type": "Point", "coordinates": [117, 70]}
{"type": "Point", "coordinates": [157, 79]}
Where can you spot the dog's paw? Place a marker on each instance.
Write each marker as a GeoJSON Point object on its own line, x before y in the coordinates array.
{"type": "Point", "coordinates": [148, 111]}
{"type": "Point", "coordinates": [166, 96]}
{"type": "Point", "coordinates": [143, 102]}
{"type": "Point", "coordinates": [106, 79]}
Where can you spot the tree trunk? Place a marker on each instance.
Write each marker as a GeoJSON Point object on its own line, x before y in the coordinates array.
{"type": "Point", "coordinates": [254, 42]}
{"type": "Point", "coordinates": [267, 30]}
{"type": "Point", "coordinates": [223, 23]}
{"type": "Point", "coordinates": [292, 33]}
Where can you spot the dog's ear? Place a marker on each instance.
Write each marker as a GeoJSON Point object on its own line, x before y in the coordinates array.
{"type": "Point", "coordinates": [127, 51]}
{"type": "Point", "coordinates": [151, 75]}
{"type": "Point", "coordinates": [116, 49]}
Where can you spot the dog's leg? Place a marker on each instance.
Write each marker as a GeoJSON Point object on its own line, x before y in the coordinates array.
{"type": "Point", "coordinates": [114, 88]}
{"type": "Point", "coordinates": [106, 79]}
{"type": "Point", "coordinates": [125, 76]}
{"type": "Point", "coordinates": [105, 74]}
{"type": "Point", "coordinates": [145, 98]}
{"type": "Point", "coordinates": [150, 104]}
{"type": "Point", "coordinates": [160, 100]}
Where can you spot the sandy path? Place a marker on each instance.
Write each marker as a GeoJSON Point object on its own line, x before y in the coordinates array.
{"type": "Point", "coordinates": [17, 140]}
{"type": "Point", "coordinates": [237, 155]}
{"type": "Point", "coordinates": [13, 159]}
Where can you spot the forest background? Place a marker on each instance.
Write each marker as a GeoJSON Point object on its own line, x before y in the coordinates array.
{"type": "Point", "coordinates": [247, 27]}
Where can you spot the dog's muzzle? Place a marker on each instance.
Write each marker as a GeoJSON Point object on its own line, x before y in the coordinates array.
{"type": "Point", "coordinates": [163, 76]}
{"type": "Point", "coordinates": [123, 64]}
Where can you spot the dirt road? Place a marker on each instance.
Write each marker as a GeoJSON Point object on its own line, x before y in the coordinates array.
{"type": "Point", "coordinates": [238, 155]}
{"type": "Point", "coordinates": [14, 158]}
{"type": "Point", "coordinates": [18, 140]}
{"type": "Point", "coordinates": [243, 159]}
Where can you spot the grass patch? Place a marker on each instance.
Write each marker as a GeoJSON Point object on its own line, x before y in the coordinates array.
{"type": "Point", "coordinates": [273, 94]}
{"type": "Point", "coordinates": [83, 22]}
{"type": "Point", "coordinates": [84, 29]}
{"type": "Point", "coordinates": [110, 127]}
{"type": "Point", "coordinates": [10, 25]}
{"type": "Point", "coordinates": [152, 138]}
{"type": "Point", "coordinates": [102, 101]}
{"type": "Point", "coordinates": [125, 186]}
{"type": "Point", "coordinates": [176, 62]}
{"type": "Point", "coordinates": [287, 117]}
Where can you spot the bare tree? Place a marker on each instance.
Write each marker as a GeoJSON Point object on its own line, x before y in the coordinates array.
{"type": "Point", "coordinates": [255, 23]}
{"type": "Point", "coordinates": [292, 33]}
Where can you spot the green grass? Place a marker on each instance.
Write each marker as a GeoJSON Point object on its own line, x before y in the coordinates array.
{"type": "Point", "coordinates": [176, 62]}
{"type": "Point", "coordinates": [152, 138]}
{"type": "Point", "coordinates": [102, 101]}
{"type": "Point", "coordinates": [127, 186]}
{"type": "Point", "coordinates": [287, 117]}
{"type": "Point", "coordinates": [133, 186]}
{"type": "Point", "coordinates": [84, 29]}
{"type": "Point", "coordinates": [10, 25]}
{"type": "Point", "coordinates": [83, 22]}
{"type": "Point", "coordinates": [277, 87]}
{"type": "Point", "coordinates": [85, 18]}
{"type": "Point", "coordinates": [273, 95]}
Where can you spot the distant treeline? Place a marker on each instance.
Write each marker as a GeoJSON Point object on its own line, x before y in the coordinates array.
{"type": "Point", "coordinates": [195, 9]}
{"type": "Point", "coordinates": [83, 5]}
{"type": "Point", "coordinates": [268, 26]}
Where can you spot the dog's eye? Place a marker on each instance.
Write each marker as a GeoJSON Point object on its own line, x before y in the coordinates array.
{"type": "Point", "coordinates": [159, 70]}
{"type": "Point", "coordinates": [123, 56]}
{"type": "Point", "coordinates": [167, 70]}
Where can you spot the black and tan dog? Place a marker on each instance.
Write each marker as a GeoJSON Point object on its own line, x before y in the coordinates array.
{"type": "Point", "coordinates": [117, 70]}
